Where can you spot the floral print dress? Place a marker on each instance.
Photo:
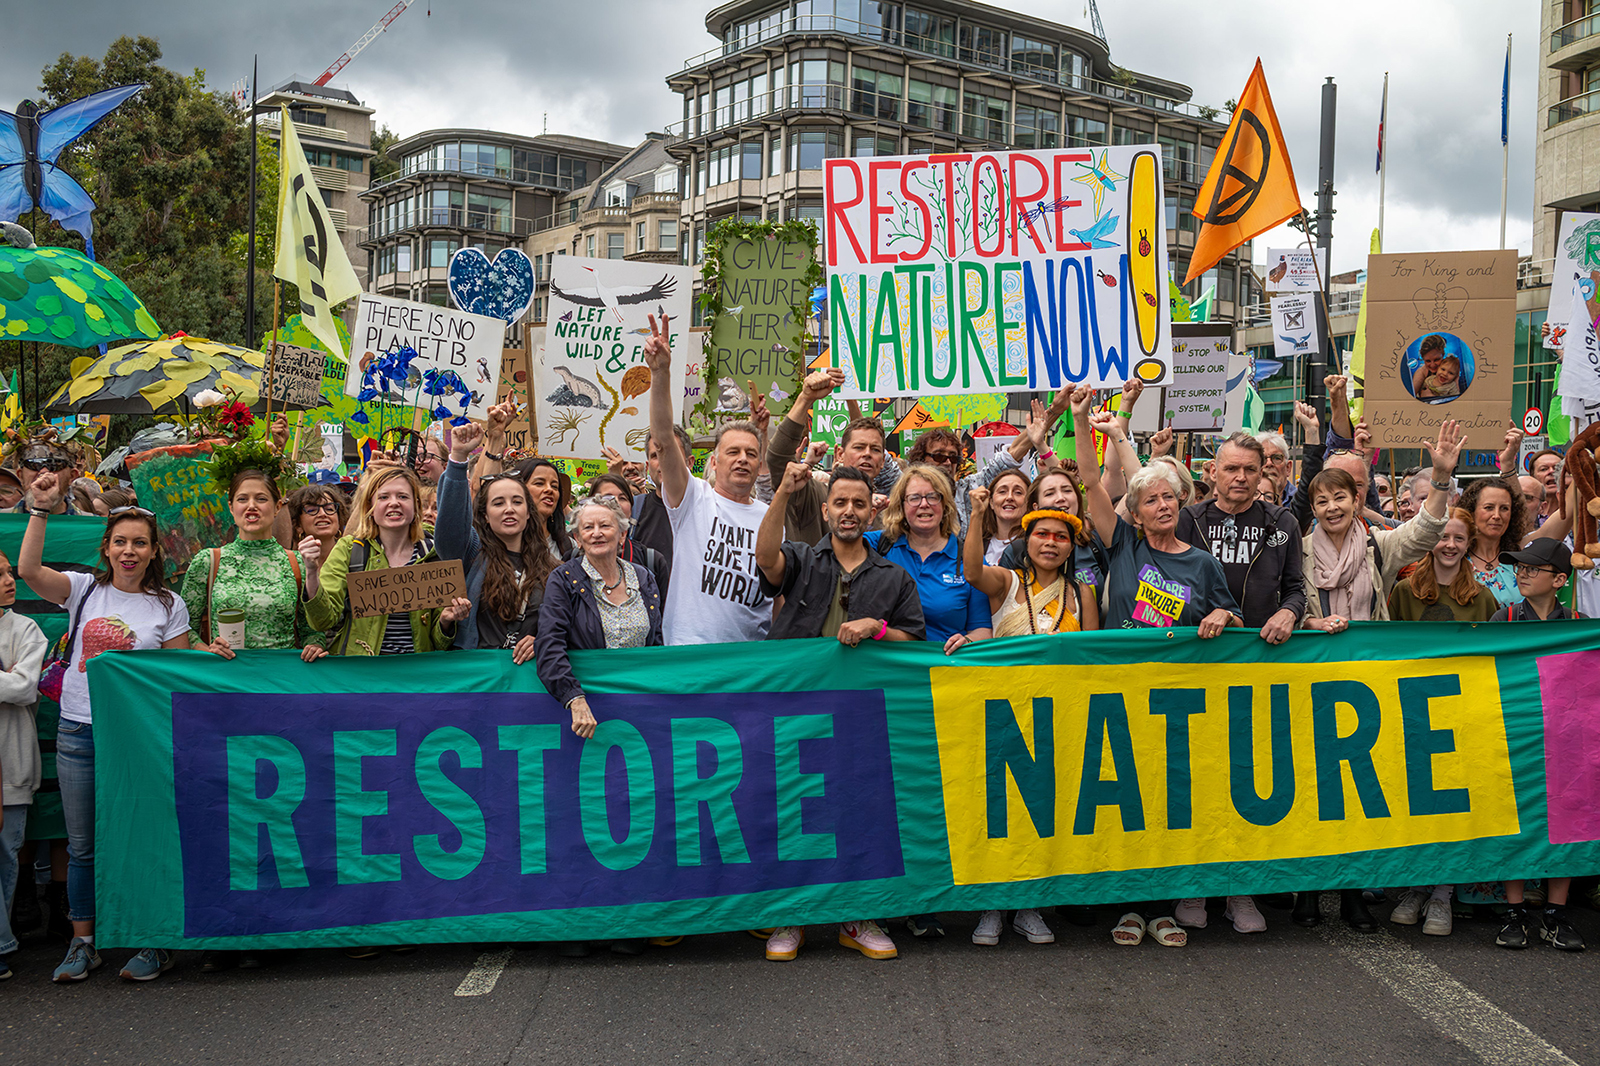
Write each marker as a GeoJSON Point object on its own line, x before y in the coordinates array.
{"type": "Point", "coordinates": [256, 577]}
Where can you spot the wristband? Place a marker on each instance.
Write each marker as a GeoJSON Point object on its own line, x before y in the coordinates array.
{"type": "Point", "coordinates": [39, 512]}
{"type": "Point", "coordinates": [1445, 484]}
{"type": "Point", "coordinates": [880, 634]}
{"type": "Point", "coordinates": [1046, 455]}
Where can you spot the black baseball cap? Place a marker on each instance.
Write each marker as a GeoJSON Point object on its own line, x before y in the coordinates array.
{"type": "Point", "coordinates": [1542, 551]}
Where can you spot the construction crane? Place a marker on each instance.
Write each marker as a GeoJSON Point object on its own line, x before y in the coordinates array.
{"type": "Point", "coordinates": [366, 39]}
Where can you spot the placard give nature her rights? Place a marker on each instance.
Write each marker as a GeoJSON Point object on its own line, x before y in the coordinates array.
{"type": "Point", "coordinates": [997, 272]}
{"type": "Point", "coordinates": [591, 384]}
{"type": "Point", "coordinates": [470, 345]}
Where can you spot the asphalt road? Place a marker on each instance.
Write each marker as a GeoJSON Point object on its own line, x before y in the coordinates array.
{"type": "Point", "coordinates": [1286, 996]}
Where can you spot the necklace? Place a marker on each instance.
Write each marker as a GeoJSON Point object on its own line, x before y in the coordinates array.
{"type": "Point", "coordinates": [1479, 563]}
{"type": "Point", "coordinates": [613, 588]}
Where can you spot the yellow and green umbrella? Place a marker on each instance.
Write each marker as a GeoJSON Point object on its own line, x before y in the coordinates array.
{"type": "Point", "coordinates": [160, 377]}
{"type": "Point", "coordinates": [57, 296]}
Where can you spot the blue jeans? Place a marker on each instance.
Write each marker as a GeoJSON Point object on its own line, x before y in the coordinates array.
{"type": "Point", "coordinates": [11, 837]}
{"type": "Point", "coordinates": [75, 772]}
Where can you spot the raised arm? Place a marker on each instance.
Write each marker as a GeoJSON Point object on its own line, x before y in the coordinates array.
{"type": "Point", "coordinates": [1446, 451]}
{"type": "Point", "coordinates": [1116, 478]}
{"type": "Point", "coordinates": [492, 459]}
{"type": "Point", "coordinates": [1338, 387]}
{"type": "Point", "coordinates": [674, 464]}
{"type": "Point", "coordinates": [992, 581]}
{"type": "Point", "coordinates": [1098, 501]}
{"type": "Point", "coordinates": [53, 585]}
{"type": "Point", "coordinates": [769, 538]}
{"type": "Point", "coordinates": [454, 535]}
{"type": "Point", "coordinates": [1111, 426]}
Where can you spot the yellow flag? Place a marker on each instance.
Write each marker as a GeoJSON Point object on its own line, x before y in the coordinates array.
{"type": "Point", "coordinates": [310, 254]}
{"type": "Point", "coordinates": [1250, 188]}
{"type": "Point", "coordinates": [13, 405]}
{"type": "Point", "coordinates": [1357, 368]}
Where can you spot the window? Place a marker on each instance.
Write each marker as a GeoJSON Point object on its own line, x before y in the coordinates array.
{"type": "Point", "coordinates": [931, 106]}
{"type": "Point", "coordinates": [817, 83]}
{"type": "Point", "coordinates": [538, 308]}
{"type": "Point", "coordinates": [1187, 223]}
{"type": "Point", "coordinates": [870, 146]}
{"type": "Point", "coordinates": [489, 212]}
{"type": "Point", "coordinates": [1074, 69]}
{"type": "Point", "coordinates": [1177, 159]}
{"type": "Point", "coordinates": [638, 243]}
{"type": "Point", "coordinates": [808, 148]}
{"type": "Point", "coordinates": [444, 207]}
{"type": "Point", "coordinates": [777, 152]}
{"type": "Point", "coordinates": [440, 251]}
{"type": "Point", "coordinates": [327, 157]}
{"type": "Point", "coordinates": [1127, 135]}
{"type": "Point", "coordinates": [403, 258]}
{"type": "Point", "coordinates": [750, 161]}
{"type": "Point", "coordinates": [588, 248]}
{"type": "Point", "coordinates": [984, 117]}
{"type": "Point", "coordinates": [1037, 127]}
{"type": "Point", "coordinates": [1172, 212]}
{"type": "Point", "coordinates": [668, 237]}
{"type": "Point", "coordinates": [875, 93]}
{"type": "Point", "coordinates": [980, 44]}
{"type": "Point", "coordinates": [758, 94]}
{"type": "Point", "coordinates": [614, 245]}
{"type": "Point", "coordinates": [1082, 131]}
{"type": "Point", "coordinates": [1034, 58]}
{"type": "Point", "coordinates": [617, 194]}
{"type": "Point", "coordinates": [1227, 285]}
{"type": "Point", "coordinates": [930, 33]}
{"type": "Point", "coordinates": [879, 21]}
{"type": "Point", "coordinates": [701, 172]}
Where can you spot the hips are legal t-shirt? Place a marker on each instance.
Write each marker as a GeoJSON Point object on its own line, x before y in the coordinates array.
{"type": "Point", "coordinates": [112, 621]}
{"type": "Point", "coordinates": [715, 595]}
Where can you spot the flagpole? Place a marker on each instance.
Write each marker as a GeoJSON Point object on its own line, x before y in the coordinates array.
{"type": "Point", "coordinates": [1505, 140]}
{"type": "Point", "coordinates": [1383, 153]}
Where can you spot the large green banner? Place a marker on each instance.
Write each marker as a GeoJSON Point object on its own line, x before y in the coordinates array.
{"type": "Point", "coordinates": [266, 802]}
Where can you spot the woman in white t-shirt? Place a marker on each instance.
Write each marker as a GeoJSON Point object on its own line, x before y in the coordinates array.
{"type": "Point", "coordinates": [122, 607]}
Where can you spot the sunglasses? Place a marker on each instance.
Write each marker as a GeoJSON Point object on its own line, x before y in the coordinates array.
{"type": "Point", "coordinates": [1051, 535]}
{"type": "Point", "coordinates": [484, 479]}
{"type": "Point", "coordinates": [944, 457]}
{"type": "Point", "coordinates": [54, 462]}
{"type": "Point", "coordinates": [115, 511]}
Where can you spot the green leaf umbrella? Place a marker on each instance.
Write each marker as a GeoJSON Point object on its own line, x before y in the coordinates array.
{"type": "Point", "coordinates": [160, 377]}
{"type": "Point", "coordinates": [58, 296]}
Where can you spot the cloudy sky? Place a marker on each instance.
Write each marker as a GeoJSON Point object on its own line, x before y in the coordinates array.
{"type": "Point", "coordinates": [596, 69]}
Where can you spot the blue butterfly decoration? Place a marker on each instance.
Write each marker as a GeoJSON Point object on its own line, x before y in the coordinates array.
{"type": "Point", "coordinates": [30, 143]}
{"type": "Point", "coordinates": [501, 289]}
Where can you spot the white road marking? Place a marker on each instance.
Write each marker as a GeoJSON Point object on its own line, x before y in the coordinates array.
{"type": "Point", "coordinates": [480, 981]}
{"type": "Point", "coordinates": [1453, 1008]}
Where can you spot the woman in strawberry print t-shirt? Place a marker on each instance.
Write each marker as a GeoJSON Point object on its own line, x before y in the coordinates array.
{"type": "Point", "coordinates": [123, 606]}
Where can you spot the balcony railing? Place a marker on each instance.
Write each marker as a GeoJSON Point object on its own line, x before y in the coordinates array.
{"type": "Point", "coordinates": [457, 218]}
{"type": "Point", "coordinates": [1575, 107]}
{"type": "Point", "coordinates": [325, 133]}
{"type": "Point", "coordinates": [1574, 31]}
{"type": "Point", "coordinates": [803, 25]}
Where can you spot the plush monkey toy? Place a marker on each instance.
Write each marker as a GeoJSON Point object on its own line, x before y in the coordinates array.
{"type": "Point", "coordinates": [1579, 469]}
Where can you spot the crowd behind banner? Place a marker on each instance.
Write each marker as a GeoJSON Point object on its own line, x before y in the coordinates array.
{"type": "Point", "coordinates": [767, 546]}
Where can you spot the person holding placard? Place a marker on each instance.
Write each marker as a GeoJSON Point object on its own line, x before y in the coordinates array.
{"type": "Point", "coordinates": [123, 607]}
{"type": "Point", "coordinates": [507, 563]}
{"type": "Point", "coordinates": [385, 531]}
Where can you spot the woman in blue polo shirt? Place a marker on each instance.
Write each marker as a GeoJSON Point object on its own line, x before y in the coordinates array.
{"type": "Point", "coordinates": [919, 536]}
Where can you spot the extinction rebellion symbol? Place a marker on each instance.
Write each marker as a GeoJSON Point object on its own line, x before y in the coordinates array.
{"type": "Point", "coordinates": [1226, 210]}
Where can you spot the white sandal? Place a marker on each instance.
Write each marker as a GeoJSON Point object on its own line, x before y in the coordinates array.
{"type": "Point", "coordinates": [1167, 933]}
{"type": "Point", "coordinates": [1129, 930]}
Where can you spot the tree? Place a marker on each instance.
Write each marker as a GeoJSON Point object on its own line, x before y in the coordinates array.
{"type": "Point", "coordinates": [169, 174]}
{"type": "Point", "coordinates": [384, 168]}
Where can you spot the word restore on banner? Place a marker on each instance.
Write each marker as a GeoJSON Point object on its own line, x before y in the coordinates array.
{"type": "Point", "coordinates": [997, 272]}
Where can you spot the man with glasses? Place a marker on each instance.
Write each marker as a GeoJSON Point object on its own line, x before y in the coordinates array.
{"type": "Point", "coordinates": [42, 455]}
{"type": "Point", "coordinates": [835, 588]}
{"type": "Point", "coordinates": [860, 446]}
{"type": "Point", "coordinates": [1276, 465]}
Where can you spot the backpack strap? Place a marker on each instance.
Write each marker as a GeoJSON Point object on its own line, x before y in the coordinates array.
{"type": "Point", "coordinates": [294, 565]}
{"type": "Point", "coordinates": [211, 581]}
{"type": "Point", "coordinates": [77, 621]}
{"type": "Point", "coordinates": [358, 564]}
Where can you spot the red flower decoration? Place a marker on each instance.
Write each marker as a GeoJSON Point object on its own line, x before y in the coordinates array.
{"type": "Point", "coordinates": [236, 417]}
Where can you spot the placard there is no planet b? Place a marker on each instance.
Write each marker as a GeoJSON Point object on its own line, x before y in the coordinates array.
{"type": "Point", "coordinates": [444, 339]}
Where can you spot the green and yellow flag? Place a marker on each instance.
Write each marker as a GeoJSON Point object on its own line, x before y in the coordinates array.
{"type": "Point", "coordinates": [309, 252]}
{"type": "Point", "coordinates": [13, 405]}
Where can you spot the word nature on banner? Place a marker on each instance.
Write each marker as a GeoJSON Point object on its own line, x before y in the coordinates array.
{"type": "Point", "coordinates": [997, 272]}
{"type": "Point", "coordinates": [445, 340]}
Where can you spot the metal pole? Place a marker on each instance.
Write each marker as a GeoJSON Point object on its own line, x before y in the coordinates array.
{"type": "Point", "coordinates": [250, 340]}
{"type": "Point", "coordinates": [1325, 193]}
{"type": "Point", "coordinates": [1383, 153]}
{"type": "Point", "coordinates": [1505, 142]}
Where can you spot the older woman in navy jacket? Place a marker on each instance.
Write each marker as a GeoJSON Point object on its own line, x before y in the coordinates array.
{"type": "Point", "coordinates": [593, 601]}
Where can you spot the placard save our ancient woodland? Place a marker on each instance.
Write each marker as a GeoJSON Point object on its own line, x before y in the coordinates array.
{"type": "Point", "coordinates": [997, 272]}
{"type": "Point", "coordinates": [401, 589]}
{"type": "Point", "coordinates": [1441, 330]}
{"type": "Point", "coordinates": [446, 341]}
{"type": "Point", "coordinates": [591, 384]}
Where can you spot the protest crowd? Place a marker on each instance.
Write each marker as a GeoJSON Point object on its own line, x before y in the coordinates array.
{"type": "Point", "coordinates": [770, 545]}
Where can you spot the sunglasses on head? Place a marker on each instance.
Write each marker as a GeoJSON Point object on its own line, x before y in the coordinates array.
{"type": "Point", "coordinates": [52, 462]}
{"type": "Point", "coordinates": [130, 509]}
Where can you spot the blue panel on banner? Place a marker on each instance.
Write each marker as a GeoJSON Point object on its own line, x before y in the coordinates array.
{"type": "Point", "coordinates": [319, 811]}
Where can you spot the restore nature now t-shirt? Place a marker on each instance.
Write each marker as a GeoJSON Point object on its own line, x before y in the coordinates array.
{"type": "Point", "coordinates": [715, 594]}
{"type": "Point", "coordinates": [1145, 587]}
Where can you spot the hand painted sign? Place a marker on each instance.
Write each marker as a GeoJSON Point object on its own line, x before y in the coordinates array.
{"type": "Point", "coordinates": [804, 781]}
{"type": "Point", "coordinates": [1577, 253]}
{"type": "Point", "coordinates": [1197, 398]}
{"type": "Point", "coordinates": [591, 385]}
{"type": "Point", "coordinates": [297, 376]}
{"type": "Point", "coordinates": [997, 271]}
{"type": "Point", "coordinates": [765, 298]}
{"type": "Point", "coordinates": [401, 589]}
{"type": "Point", "coordinates": [445, 341]}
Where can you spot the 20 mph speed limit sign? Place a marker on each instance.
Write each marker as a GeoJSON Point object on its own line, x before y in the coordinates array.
{"type": "Point", "coordinates": [1532, 421]}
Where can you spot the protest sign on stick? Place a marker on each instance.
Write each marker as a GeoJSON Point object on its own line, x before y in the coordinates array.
{"type": "Point", "coordinates": [445, 340]}
{"type": "Point", "coordinates": [297, 376]}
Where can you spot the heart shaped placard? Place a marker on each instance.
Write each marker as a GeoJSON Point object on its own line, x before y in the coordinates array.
{"type": "Point", "coordinates": [500, 289]}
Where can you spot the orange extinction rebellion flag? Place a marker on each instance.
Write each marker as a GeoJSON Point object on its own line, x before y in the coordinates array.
{"type": "Point", "coordinates": [1250, 188]}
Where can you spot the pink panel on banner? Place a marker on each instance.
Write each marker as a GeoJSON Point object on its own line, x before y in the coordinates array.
{"type": "Point", "coordinates": [1572, 744]}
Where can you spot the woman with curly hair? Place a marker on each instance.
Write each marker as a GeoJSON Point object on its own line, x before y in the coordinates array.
{"type": "Point", "coordinates": [506, 561]}
{"type": "Point", "coordinates": [1499, 524]}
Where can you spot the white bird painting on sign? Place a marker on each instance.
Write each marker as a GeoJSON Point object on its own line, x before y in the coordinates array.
{"type": "Point", "coordinates": [610, 299]}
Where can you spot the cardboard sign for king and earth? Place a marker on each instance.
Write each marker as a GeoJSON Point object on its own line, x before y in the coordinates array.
{"type": "Point", "coordinates": [1441, 331]}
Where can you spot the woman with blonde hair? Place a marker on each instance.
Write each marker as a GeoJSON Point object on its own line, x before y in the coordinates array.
{"type": "Point", "coordinates": [385, 531]}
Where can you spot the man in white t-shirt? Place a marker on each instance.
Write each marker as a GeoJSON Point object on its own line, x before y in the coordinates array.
{"type": "Point", "coordinates": [715, 595]}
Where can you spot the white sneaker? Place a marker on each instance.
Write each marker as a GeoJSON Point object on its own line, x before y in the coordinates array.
{"type": "Point", "coordinates": [1031, 925]}
{"type": "Point", "coordinates": [1436, 917]}
{"type": "Point", "coordinates": [1409, 908]}
{"type": "Point", "coordinates": [988, 931]}
{"type": "Point", "coordinates": [1191, 913]}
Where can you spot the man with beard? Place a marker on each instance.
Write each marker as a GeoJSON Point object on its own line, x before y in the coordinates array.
{"type": "Point", "coordinates": [834, 588]}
